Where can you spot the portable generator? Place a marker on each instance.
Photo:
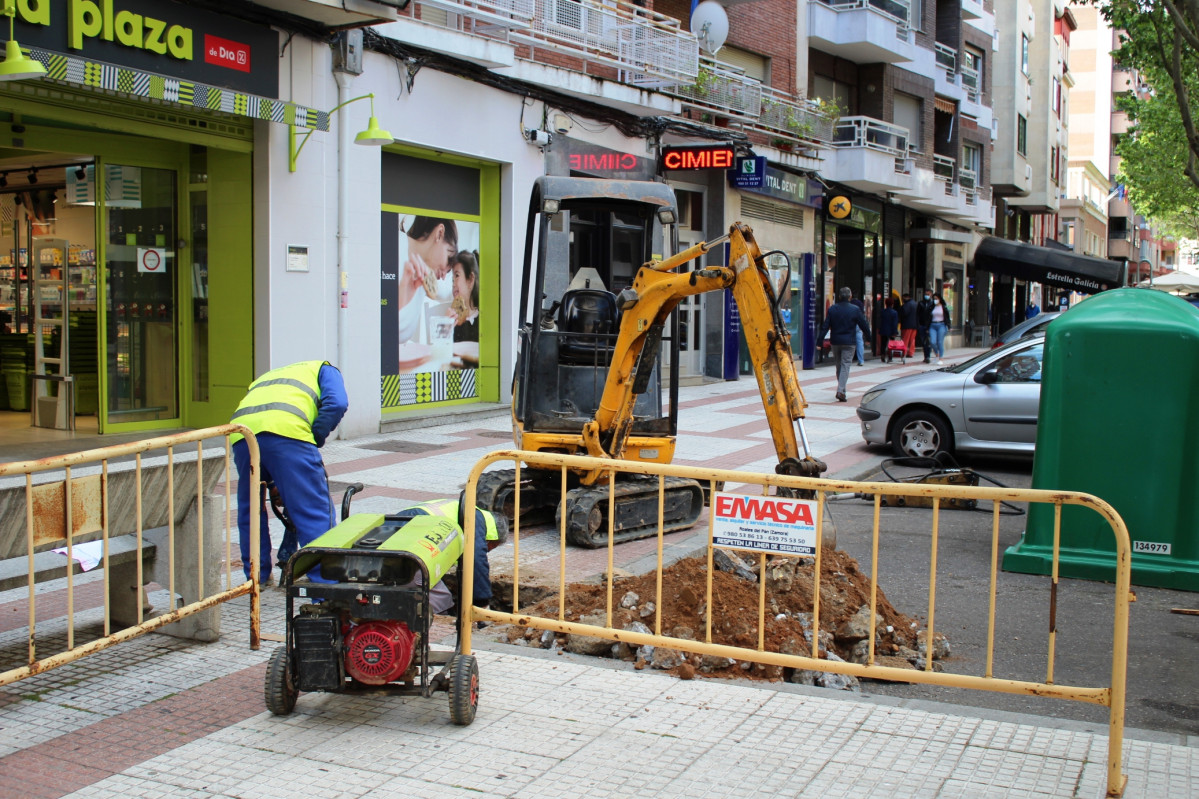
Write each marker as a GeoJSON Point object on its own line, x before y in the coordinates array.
{"type": "Point", "coordinates": [367, 631]}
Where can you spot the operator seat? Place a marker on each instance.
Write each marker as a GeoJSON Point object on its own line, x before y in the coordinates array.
{"type": "Point", "coordinates": [587, 324]}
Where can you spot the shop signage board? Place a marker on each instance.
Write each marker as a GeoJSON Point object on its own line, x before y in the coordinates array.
{"type": "Point", "coordinates": [693, 157]}
{"type": "Point", "coordinates": [764, 524]}
{"type": "Point", "coordinates": [748, 172]}
{"type": "Point", "coordinates": [159, 37]}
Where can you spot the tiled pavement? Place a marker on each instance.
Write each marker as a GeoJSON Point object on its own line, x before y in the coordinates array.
{"type": "Point", "coordinates": [157, 717]}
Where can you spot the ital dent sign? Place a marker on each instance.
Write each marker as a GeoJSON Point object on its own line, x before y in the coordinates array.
{"type": "Point", "coordinates": [839, 207]}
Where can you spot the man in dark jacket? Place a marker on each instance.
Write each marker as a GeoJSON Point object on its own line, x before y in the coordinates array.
{"type": "Point", "coordinates": [841, 322]}
{"type": "Point", "coordinates": [908, 323]}
{"type": "Point", "coordinates": [924, 321]}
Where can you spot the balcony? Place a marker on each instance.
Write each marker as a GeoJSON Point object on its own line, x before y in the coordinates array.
{"type": "Point", "coordinates": [862, 31]}
{"type": "Point", "coordinates": [943, 168]}
{"type": "Point", "coordinates": [649, 49]}
{"type": "Point", "coordinates": [723, 89]}
{"type": "Point", "coordinates": [870, 155]}
{"type": "Point", "coordinates": [784, 116]}
{"type": "Point", "coordinates": [614, 39]}
{"type": "Point", "coordinates": [947, 59]}
{"type": "Point", "coordinates": [973, 9]}
{"type": "Point", "coordinates": [335, 14]}
{"type": "Point", "coordinates": [970, 82]}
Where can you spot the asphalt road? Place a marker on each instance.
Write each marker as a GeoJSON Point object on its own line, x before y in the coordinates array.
{"type": "Point", "coordinates": [1163, 681]}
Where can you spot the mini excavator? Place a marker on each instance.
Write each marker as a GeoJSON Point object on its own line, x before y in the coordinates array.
{"type": "Point", "coordinates": [595, 320]}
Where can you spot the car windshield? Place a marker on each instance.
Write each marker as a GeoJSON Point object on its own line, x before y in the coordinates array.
{"type": "Point", "coordinates": [973, 363]}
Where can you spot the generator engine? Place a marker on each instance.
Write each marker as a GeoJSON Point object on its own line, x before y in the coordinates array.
{"type": "Point", "coordinates": [379, 652]}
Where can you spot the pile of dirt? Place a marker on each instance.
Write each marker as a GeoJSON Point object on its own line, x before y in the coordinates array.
{"type": "Point", "coordinates": [844, 615]}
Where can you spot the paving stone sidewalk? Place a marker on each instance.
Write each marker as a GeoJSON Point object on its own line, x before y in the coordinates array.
{"type": "Point", "coordinates": [157, 717]}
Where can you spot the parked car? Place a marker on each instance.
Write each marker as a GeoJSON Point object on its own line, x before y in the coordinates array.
{"type": "Point", "coordinates": [1026, 328]}
{"type": "Point", "coordinates": [987, 404]}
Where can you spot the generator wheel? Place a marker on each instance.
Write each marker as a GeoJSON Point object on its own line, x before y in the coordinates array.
{"type": "Point", "coordinates": [281, 692]}
{"type": "Point", "coordinates": [464, 689]}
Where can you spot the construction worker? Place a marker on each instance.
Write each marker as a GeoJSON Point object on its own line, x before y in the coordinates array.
{"type": "Point", "coordinates": [490, 531]}
{"type": "Point", "coordinates": [291, 411]}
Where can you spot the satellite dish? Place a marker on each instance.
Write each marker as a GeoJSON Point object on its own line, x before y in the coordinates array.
{"type": "Point", "coordinates": [710, 25]}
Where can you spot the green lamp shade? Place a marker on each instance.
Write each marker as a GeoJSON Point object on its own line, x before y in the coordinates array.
{"type": "Point", "coordinates": [17, 65]}
{"type": "Point", "coordinates": [374, 135]}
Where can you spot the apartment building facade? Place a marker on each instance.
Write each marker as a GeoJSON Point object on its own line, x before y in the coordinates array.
{"type": "Point", "coordinates": [1032, 84]}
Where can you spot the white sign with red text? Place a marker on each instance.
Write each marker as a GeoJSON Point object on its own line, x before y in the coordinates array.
{"type": "Point", "coordinates": [764, 524]}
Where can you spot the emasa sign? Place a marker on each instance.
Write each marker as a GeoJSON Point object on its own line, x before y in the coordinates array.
{"type": "Point", "coordinates": [778, 525]}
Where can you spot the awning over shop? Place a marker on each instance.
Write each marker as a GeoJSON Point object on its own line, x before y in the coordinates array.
{"type": "Point", "coordinates": [190, 94]}
{"type": "Point", "coordinates": [1052, 267]}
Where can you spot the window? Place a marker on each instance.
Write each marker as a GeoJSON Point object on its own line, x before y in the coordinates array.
{"type": "Point", "coordinates": [1053, 165]}
{"type": "Point", "coordinates": [1056, 98]}
{"type": "Point", "coordinates": [1021, 135]}
{"type": "Point", "coordinates": [1024, 53]}
{"type": "Point", "coordinates": [756, 66]}
{"type": "Point", "coordinates": [909, 113]}
{"type": "Point", "coordinates": [968, 175]}
{"type": "Point", "coordinates": [824, 88]}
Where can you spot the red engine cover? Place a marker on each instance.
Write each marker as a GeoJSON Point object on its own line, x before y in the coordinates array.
{"type": "Point", "coordinates": [379, 652]}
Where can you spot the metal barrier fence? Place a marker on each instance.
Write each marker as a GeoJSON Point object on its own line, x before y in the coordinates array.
{"type": "Point", "coordinates": [1111, 696]}
{"type": "Point", "coordinates": [73, 509]}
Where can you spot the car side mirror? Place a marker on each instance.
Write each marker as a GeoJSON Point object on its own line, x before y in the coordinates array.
{"type": "Point", "coordinates": [987, 376]}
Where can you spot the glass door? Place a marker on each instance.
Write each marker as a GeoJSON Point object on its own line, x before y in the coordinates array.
{"type": "Point", "coordinates": [141, 214]}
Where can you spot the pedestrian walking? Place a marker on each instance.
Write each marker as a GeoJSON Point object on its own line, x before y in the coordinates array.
{"type": "Point", "coordinates": [908, 323]}
{"type": "Point", "coordinates": [939, 327]}
{"type": "Point", "coordinates": [842, 321]}
{"type": "Point", "coordinates": [1033, 309]}
{"type": "Point", "coordinates": [859, 342]}
{"type": "Point", "coordinates": [291, 411]}
{"type": "Point", "coordinates": [924, 320]}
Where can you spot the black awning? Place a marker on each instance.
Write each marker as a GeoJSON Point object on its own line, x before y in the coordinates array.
{"type": "Point", "coordinates": [1053, 267]}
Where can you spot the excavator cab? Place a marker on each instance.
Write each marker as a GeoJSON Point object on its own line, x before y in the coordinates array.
{"type": "Point", "coordinates": [585, 241]}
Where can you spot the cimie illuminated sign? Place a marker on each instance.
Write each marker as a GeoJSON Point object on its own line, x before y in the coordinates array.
{"type": "Point", "coordinates": [702, 157]}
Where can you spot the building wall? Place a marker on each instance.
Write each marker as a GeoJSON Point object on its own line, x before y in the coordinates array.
{"type": "Point", "coordinates": [1011, 93]}
{"type": "Point", "coordinates": [297, 313]}
{"type": "Point", "coordinates": [1091, 96]}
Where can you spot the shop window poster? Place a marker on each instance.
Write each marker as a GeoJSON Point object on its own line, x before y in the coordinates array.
{"type": "Point", "coordinates": [429, 273]}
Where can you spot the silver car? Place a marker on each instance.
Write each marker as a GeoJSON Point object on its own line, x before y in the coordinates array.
{"type": "Point", "coordinates": [987, 404]}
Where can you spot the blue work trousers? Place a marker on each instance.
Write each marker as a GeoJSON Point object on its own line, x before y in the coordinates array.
{"type": "Point", "coordinates": [299, 474]}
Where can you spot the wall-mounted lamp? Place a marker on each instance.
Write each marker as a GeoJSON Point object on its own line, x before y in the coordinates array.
{"type": "Point", "coordinates": [3, 180]}
{"type": "Point", "coordinates": [17, 65]}
{"type": "Point", "coordinates": [81, 173]}
{"type": "Point", "coordinates": [373, 135]}
{"type": "Point", "coordinates": [32, 176]}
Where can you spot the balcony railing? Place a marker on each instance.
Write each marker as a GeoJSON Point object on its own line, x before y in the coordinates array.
{"type": "Point", "coordinates": [897, 10]}
{"type": "Point", "coordinates": [872, 134]}
{"type": "Point", "coordinates": [943, 168]}
{"type": "Point", "coordinates": [481, 16]}
{"type": "Point", "coordinates": [787, 116]}
{"type": "Point", "coordinates": [947, 57]}
{"type": "Point", "coordinates": [970, 82]}
{"type": "Point", "coordinates": [723, 88]}
{"type": "Point", "coordinates": [967, 178]}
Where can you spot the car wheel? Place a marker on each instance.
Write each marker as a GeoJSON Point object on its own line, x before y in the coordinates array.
{"type": "Point", "coordinates": [921, 434]}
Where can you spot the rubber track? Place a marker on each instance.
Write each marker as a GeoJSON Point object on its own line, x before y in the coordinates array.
{"type": "Point", "coordinates": [538, 499]}
{"type": "Point", "coordinates": [581, 501]}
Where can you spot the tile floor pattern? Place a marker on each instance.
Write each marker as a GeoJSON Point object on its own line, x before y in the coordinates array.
{"type": "Point", "coordinates": [158, 717]}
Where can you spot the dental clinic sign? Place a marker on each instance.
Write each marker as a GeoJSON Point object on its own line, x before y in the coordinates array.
{"type": "Point", "coordinates": [161, 37]}
{"type": "Point", "coordinates": [764, 524]}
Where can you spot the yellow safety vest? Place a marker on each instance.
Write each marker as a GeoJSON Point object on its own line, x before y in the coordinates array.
{"type": "Point", "coordinates": [448, 508]}
{"type": "Point", "coordinates": [283, 401]}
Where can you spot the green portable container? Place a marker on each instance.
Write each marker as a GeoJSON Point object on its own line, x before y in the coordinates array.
{"type": "Point", "coordinates": [1119, 419]}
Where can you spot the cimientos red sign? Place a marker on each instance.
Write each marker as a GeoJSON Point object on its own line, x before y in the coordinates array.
{"type": "Point", "coordinates": [226, 53]}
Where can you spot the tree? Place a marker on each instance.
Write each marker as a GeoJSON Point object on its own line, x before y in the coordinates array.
{"type": "Point", "coordinates": [1160, 39]}
{"type": "Point", "coordinates": [1153, 156]}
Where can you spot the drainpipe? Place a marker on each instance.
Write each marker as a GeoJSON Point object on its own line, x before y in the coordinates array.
{"type": "Point", "coordinates": [343, 220]}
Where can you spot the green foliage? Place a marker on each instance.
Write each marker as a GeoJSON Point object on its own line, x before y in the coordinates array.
{"type": "Point", "coordinates": [1160, 39]}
